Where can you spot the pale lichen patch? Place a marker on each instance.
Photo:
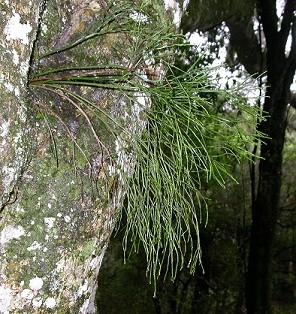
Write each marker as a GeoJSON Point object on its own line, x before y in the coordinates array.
{"type": "Point", "coordinates": [67, 218]}
{"type": "Point", "coordinates": [36, 283]}
{"type": "Point", "coordinates": [138, 17]}
{"type": "Point", "coordinates": [95, 262]}
{"type": "Point", "coordinates": [27, 294]}
{"type": "Point", "coordinates": [9, 86]}
{"type": "Point", "coordinates": [15, 57]}
{"type": "Point", "coordinates": [2, 78]}
{"type": "Point", "coordinates": [49, 222]}
{"type": "Point", "coordinates": [17, 91]}
{"type": "Point", "coordinates": [6, 296]}
{"type": "Point", "coordinates": [12, 89]}
{"type": "Point", "coordinates": [9, 174]}
{"type": "Point", "coordinates": [35, 246]}
{"type": "Point", "coordinates": [175, 7]}
{"type": "Point", "coordinates": [24, 67]}
{"type": "Point", "coordinates": [84, 308]}
{"type": "Point", "coordinates": [50, 303]}
{"type": "Point", "coordinates": [4, 128]}
{"type": "Point", "coordinates": [15, 30]}
{"type": "Point", "coordinates": [37, 302]}
{"type": "Point", "coordinates": [82, 289]}
{"type": "Point", "coordinates": [9, 233]}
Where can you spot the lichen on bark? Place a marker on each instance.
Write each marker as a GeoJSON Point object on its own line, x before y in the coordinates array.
{"type": "Point", "coordinates": [16, 129]}
{"type": "Point", "coordinates": [55, 220]}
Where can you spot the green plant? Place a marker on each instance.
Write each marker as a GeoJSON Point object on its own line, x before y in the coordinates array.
{"type": "Point", "coordinates": [185, 143]}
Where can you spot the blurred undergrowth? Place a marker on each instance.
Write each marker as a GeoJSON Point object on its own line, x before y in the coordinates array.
{"type": "Point", "coordinates": [185, 143]}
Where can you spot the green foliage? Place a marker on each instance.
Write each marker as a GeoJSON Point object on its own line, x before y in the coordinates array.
{"type": "Point", "coordinates": [185, 145]}
{"type": "Point", "coordinates": [186, 142]}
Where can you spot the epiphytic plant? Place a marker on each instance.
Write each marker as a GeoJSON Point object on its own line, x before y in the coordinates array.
{"type": "Point", "coordinates": [185, 142]}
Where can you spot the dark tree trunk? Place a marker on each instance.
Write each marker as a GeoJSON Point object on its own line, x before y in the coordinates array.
{"type": "Point", "coordinates": [280, 73]}
{"type": "Point", "coordinates": [265, 211]}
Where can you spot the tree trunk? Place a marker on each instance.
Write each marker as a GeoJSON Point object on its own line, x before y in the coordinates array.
{"type": "Point", "coordinates": [265, 211]}
{"type": "Point", "coordinates": [55, 221]}
{"type": "Point", "coordinates": [280, 74]}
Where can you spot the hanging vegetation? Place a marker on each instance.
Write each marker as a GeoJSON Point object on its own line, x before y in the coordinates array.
{"type": "Point", "coordinates": [185, 141]}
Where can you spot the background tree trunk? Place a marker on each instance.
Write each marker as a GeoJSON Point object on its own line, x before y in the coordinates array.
{"type": "Point", "coordinates": [280, 74]}
{"type": "Point", "coordinates": [265, 211]}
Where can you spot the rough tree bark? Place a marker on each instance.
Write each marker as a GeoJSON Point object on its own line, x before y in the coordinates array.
{"type": "Point", "coordinates": [54, 224]}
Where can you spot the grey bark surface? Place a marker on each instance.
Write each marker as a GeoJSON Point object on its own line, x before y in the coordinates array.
{"type": "Point", "coordinates": [55, 222]}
